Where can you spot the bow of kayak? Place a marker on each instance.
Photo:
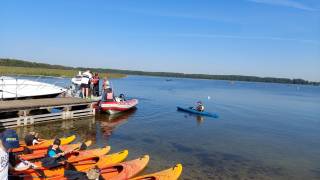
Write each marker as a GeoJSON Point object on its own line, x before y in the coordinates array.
{"type": "Point", "coordinates": [168, 174]}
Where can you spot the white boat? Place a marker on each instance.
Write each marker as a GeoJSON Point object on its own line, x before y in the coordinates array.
{"type": "Point", "coordinates": [19, 88]}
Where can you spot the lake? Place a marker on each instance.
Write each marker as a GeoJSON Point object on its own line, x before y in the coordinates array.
{"type": "Point", "coordinates": [264, 131]}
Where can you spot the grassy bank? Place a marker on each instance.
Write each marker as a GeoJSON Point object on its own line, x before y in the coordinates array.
{"type": "Point", "coordinates": [10, 70]}
{"type": "Point", "coordinates": [13, 66]}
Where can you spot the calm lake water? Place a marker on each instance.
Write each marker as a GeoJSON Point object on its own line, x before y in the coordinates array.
{"type": "Point", "coordinates": [265, 131]}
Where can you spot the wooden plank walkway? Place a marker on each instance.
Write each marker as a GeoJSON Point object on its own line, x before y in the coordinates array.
{"type": "Point", "coordinates": [17, 105]}
{"type": "Point", "coordinates": [68, 108]}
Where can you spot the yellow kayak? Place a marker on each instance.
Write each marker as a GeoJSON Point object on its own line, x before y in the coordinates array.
{"type": "Point", "coordinates": [44, 144]}
{"type": "Point", "coordinates": [169, 174]}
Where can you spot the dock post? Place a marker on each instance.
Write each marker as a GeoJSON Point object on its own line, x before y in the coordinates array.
{"type": "Point", "coordinates": [93, 110]}
{"type": "Point", "coordinates": [67, 114]}
{"type": "Point", "coordinates": [23, 116]}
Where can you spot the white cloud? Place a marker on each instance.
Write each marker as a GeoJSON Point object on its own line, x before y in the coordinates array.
{"type": "Point", "coordinates": [286, 3]}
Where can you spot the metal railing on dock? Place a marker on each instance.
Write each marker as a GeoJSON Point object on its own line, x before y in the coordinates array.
{"type": "Point", "coordinates": [26, 112]}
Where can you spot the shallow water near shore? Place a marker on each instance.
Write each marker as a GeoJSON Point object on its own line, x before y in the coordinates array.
{"type": "Point", "coordinates": [264, 131]}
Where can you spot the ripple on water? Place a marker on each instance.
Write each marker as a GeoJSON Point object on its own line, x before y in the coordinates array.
{"type": "Point", "coordinates": [220, 165]}
{"type": "Point", "coordinates": [316, 173]}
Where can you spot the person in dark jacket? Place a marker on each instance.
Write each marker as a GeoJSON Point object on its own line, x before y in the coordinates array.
{"type": "Point", "coordinates": [31, 139]}
{"type": "Point", "coordinates": [95, 84]}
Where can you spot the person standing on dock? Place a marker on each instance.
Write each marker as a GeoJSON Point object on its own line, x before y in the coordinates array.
{"type": "Point", "coordinates": [95, 84]}
{"type": "Point", "coordinates": [85, 84]}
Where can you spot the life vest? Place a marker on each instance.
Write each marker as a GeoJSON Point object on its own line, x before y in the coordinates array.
{"type": "Point", "coordinates": [95, 80]}
{"type": "Point", "coordinates": [109, 95]}
{"type": "Point", "coordinates": [57, 151]}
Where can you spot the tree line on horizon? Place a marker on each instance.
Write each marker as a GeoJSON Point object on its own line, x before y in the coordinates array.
{"type": "Point", "coordinates": [23, 63]}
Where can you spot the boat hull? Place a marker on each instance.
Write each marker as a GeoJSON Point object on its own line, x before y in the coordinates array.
{"type": "Point", "coordinates": [117, 107]}
{"type": "Point", "coordinates": [14, 88]}
{"type": "Point", "coordinates": [193, 111]}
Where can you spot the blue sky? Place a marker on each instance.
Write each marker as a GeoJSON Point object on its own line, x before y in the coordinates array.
{"type": "Point", "coordinates": [278, 38]}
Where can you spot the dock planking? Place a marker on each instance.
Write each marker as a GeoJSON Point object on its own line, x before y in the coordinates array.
{"type": "Point", "coordinates": [16, 113]}
{"type": "Point", "coordinates": [17, 105]}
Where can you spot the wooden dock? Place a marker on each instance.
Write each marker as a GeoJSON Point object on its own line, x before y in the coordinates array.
{"type": "Point", "coordinates": [15, 113]}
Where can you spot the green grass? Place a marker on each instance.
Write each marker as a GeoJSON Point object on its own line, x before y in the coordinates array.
{"type": "Point", "coordinates": [10, 70]}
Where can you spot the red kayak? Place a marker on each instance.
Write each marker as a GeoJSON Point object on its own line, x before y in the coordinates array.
{"type": "Point", "coordinates": [116, 107]}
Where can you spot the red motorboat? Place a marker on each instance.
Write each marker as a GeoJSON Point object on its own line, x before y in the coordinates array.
{"type": "Point", "coordinates": [116, 107]}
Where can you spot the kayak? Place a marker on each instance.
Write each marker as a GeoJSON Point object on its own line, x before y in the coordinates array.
{"type": "Point", "coordinates": [193, 111]}
{"type": "Point", "coordinates": [88, 154]}
{"type": "Point", "coordinates": [117, 107]}
{"type": "Point", "coordinates": [44, 144]}
{"type": "Point", "coordinates": [41, 153]}
{"type": "Point", "coordinates": [121, 171]}
{"type": "Point", "coordinates": [169, 174]}
{"type": "Point", "coordinates": [94, 152]}
{"type": "Point", "coordinates": [101, 162]}
{"type": "Point", "coordinates": [125, 170]}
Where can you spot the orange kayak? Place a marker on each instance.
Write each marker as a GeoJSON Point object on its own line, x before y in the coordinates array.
{"type": "Point", "coordinates": [44, 144]}
{"type": "Point", "coordinates": [121, 171]}
{"type": "Point", "coordinates": [168, 174]}
{"type": "Point", "coordinates": [88, 154]}
{"type": "Point", "coordinates": [125, 170]}
{"type": "Point", "coordinates": [83, 166]}
{"type": "Point", "coordinates": [37, 154]}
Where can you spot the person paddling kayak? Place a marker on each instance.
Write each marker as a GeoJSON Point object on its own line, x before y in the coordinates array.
{"type": "Point", "coordinates": [54, 150]}
{"type": "Point", "coordinates": [56, 158]}
{"type": "Point", "coordinates": [200, 106]}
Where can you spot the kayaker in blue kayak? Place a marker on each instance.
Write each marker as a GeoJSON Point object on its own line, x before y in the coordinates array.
{"type": "Point", "coordinates": [200, 106]}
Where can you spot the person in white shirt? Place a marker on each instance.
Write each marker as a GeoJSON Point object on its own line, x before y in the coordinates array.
{"type": "Point", "coordinates": [8, 140]}
{"type": "Point", "coordinates": [4, 162]}
{"type": "Point", "coordinates": [85, 83]}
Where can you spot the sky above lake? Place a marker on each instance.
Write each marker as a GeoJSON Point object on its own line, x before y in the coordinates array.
{"type": "Point", "coordinates": [278, 38]}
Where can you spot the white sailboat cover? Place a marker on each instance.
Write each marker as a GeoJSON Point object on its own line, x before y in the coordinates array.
{"type": "Point", "coordinates": [15, 88]}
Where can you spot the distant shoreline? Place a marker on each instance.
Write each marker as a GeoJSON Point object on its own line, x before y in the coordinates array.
{"type": "Point", "coordinates": [13, 66]}
{"type": "Point", "coordinates": [45, 72]}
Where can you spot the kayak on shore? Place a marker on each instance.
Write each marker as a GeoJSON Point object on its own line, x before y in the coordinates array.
{"type": "Point", "coordinates": [82, 166]}
{"type": "Point", "coordinates": [110, 167]}
{"type": "Point", "coordinates": [44, 144]}
{"type": "Point", "coordinates": [77, 155]}
{"type": "Point", "coordinates": [194, 111]}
